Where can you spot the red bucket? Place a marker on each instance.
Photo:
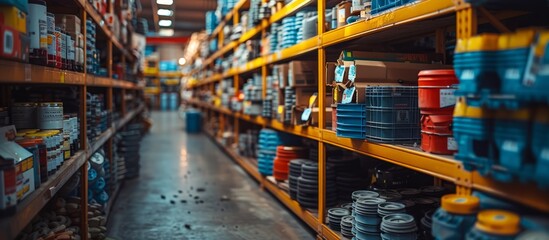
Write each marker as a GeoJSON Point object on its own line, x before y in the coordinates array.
{"type": "Point", "coordinates": [437, 135]}
{"type": "Point", "coordinates": [436, 91]}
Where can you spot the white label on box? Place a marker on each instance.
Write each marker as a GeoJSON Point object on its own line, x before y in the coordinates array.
{"type": "Point", "coordinates": [447, 98]}
{"type": "Point", "coordinates": [341, 15]}
{"type": "Point", "coordinates": [348, 95]}
{"type": "Point", "coordinates": [339, 73]}
{"type": "Point", "coordinates": [452, 144]}
{"type": "Point", "coordinates": [306, 114]}
{"type": "Point", "coordinates": [352, 73]}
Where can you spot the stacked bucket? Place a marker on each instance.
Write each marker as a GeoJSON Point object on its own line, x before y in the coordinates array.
{"type": "Point", "coordinates": [392, 114]}
{"type": "Point", "coordinates": [503, 111]}
{"type": "Point", "coordinates": [351, 120]}
{"type": "Point", "coordinates": [294, 174]}
{"type": "Point", "coordinates": [268, 142]}
{"type": "Point", "coordinates": [285, 154]}
{"type": "Point", "coordinates": [307, 186]}
{"type": "Point", "coordinates": [289, 34]}
{"type": "Point", "coordinates": [436, 104]}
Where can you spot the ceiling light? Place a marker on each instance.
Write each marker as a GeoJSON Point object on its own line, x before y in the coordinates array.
{"type": "Point", "coordinates": [164, 2]}
{"type": "Point", "coordinates": [165, 23]}
{"type": "Point", "coordinates": [182, 61]}
{"type": "Point", "coordinates": [166, 32]}
{"type": "Point", "coordinates": [164, 12]}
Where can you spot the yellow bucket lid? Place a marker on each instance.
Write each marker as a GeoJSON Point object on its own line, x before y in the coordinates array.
{"type": "Point", "coordinates": [483, 42]}
{"type": "Point", "coordinates": [498, 222]}
{"type": "Point", "coordinates": [460, 204]}
{"type": "Point", "coordinates": [463, 110]}
{"type": "Point", "coordinates": [503, 41]}
{"type": "Point", "coordinates": [461, 45]}
{"type": "Point", "coordinates": [522, 38]}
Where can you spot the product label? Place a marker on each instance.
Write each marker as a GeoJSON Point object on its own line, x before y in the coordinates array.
{"type": "Point", "coordinates": [43, 25]}
{"type": "Point", "coordinates": [339, 73]}
{"type": "Point", "coordinates": [510, 146]}
{"type": "Point", "coordinates": [403, 116]}
{"type": "Point", "coordinates": [452, 144]}
{"type": "Point", "coordinates": [348, 95]}
{"type": "Point", "coordinates": [447, 98]}
{"type": "Point", "coordinates": [306, 114]}
{"type": "Point", "coordinates": [52, 44]}
{"type": "Point", "coordinates": [341, 15]}
{"type": "Point", "coordinates": [8, 43]}
{"type": "Point", "coordinates": [352, 73]}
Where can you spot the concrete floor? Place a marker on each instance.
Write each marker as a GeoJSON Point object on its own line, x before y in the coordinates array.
{"type": "Point", "coordinates": [189, 189]}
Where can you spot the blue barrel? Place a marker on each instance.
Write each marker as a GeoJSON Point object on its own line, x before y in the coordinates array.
{"type": "Point", "coordinates": [455, 217]}
{"type": "Point", "coordinates": [193, 121]}
{"type": "Point", "coordinates": [164, 101]}
{"type": "Point", "coordinates": [173, 101]}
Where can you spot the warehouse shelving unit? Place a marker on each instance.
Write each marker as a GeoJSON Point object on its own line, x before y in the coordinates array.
{"type": "Point", "coordinates": [420, 17]}
{"type": "Point", "coordinates": [24, 74]}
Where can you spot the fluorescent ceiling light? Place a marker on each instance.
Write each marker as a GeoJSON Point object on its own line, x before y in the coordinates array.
{"type": "Point", "coordinates": [164, 2]}
{"type": "Point", "coordinates": [166, 32]}
{"type": "Point", "coordinates": [165, 23]}
{"type": "Point", "coordinates": [164, 12]}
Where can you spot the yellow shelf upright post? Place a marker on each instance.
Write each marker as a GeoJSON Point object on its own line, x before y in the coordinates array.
{"type": "Point", "coordinates": [466, 20]}
{"type": "Point", "coordinates": [466, 26]}
{"type": "Point", "coordinates": [321, 6]}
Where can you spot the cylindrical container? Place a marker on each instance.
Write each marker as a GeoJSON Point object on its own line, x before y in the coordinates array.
{"type": "Point", "coordinates": [37, 22]}
{"type": "Point", "coordinates": [4, 117]}
{"type": "Point", "coordinates": [436, 134]}
{"type": "Point", "coordinates": [8, 191]}
{"type": "Point", "coordinates": [495, 225]}
{"type": "Point", "coordinates": [52, 42]}
{"type": "Point", "coordinates": [58, 48]}
{"type": "Point", "coordinates": [70, 53]}
{"type": "Point", "coordinates": [399, 226]}
{"type": "Point", "coordinates": [23, 115]}
{"type": "Point", "coordinates": [436, 91]}
{"type": "Point", "coordinates": [43, 159]}
{"type": "Point", "coordinates": [387, 208]}
{"type": "Point", "coordinates": [455, 217]}
{"type": "Point", "coordinates": [50, 115]}
{"type": "Point", "coordinates": [31, 146]}
{"type": "Point", "coordinates": [50, 152]}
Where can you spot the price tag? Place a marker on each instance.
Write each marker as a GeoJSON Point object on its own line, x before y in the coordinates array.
{"type": "Point", "coordinates": [280, 109]}
{"type": "Point", "coordinates": [339, 73]}
{"type": "Point", "coordinates": [352, 73]}
{"type": "Point", "coordinates": [306, 114]}
{"type": "Point", "coordinates": [348, 95]}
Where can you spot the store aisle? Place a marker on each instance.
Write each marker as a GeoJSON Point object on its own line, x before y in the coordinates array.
{"type": "Point", "coordinates": [189, 189]}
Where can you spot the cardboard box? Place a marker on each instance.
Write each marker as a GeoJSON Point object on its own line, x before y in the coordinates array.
{"type": "Point", "coordinates": [71, 23]}
{"type": "Point", "coordinates": [13, 44]}
{"type": "Point", "coordinates": [13, 18]}
{"type": "Point", "coordinates": [343, 12]}
{"type": "Point", "coordinates": [282, 74]}
{"type": "Point", "coordinates": [387, 73]}
{"type": "Point", "coordinates": [24, 162]}
{"type": "Point", "coordinates": [350, 56]}
{"type": "Point", "coordinates": [302, 73]}
{"type": "Point", "coordinates": [302, 95]}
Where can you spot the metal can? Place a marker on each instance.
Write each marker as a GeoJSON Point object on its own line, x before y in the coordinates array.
{"type": "Point", "coordinates": [71, 53]}
{"type": "Point", "coordinates": [37, 30]}
{"type": "Point", "coordinates": [23, 115]}
{"type": "Point", "coordinates": [52, 42]}
{"type": "Point", "coordinates": [43, 158]}
{"type": "Point", "coordinates": [58, 53]}
{"type": "Point", "coordinates": [50, 115]}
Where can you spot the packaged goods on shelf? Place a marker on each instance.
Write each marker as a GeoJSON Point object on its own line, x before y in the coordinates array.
{"type": "Point", "coordinates": [379, 6]}
{"type": "Point", "coordinates": [14, 28]}
{"type": "Point", "coordinates": [515, 79]}
{"type": "Point", "coordinates": [97, 178]}
{"type": "Point", "coordinates": [23, 162]}
{"type": "Point", "coordinates": [37, 31]}
{"type": "Point", "coordinates": [99, 118]}
{"type": "Point", "coordinates": [128, 142]}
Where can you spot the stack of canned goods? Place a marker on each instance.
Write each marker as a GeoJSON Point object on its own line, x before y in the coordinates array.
{"type": "Point", "coordinates": [91, 52]}
{"type": "Point", "coordinates": [44, 131]}
{"type": "Point", "coordinates": [55, 40]}
{"type": "Point", "coordinates": [99, 118]}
